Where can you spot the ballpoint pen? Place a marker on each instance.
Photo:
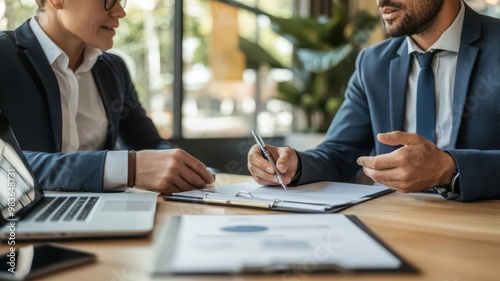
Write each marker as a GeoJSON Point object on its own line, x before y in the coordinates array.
{"type": "Point", "coordinates": [266, 153]}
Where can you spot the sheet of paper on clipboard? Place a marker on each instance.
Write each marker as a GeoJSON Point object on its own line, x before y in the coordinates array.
{"type": "Point", "coordinates": [320, 197]}
{"type": "Point", "coordinates": [234, 244]}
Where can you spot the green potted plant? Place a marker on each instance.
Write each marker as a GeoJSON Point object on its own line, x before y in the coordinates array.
{"type": "Point", "coordinates": [324, 56]}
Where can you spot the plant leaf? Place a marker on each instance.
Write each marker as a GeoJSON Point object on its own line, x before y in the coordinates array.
{"type": "Point", "coordinates": [361, 26]}
{"type": "Point", "coordinates": [237, 4]}
{"type": "Point", "coordinates": [321, 61]}
{"type": "Point", "coordinates": [289, 93]}
{"type": "Point", "coordinates": [255, 54]}
{"type": "Point", "coordinates": [336, 25]}
{"type": "Point", "coordinates": [301, 32]}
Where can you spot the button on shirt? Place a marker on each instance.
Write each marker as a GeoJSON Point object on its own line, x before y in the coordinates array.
{"type": "Point", "coordinates": [444, 67]}
{"type": "Point", "coordinates": [84, 120]}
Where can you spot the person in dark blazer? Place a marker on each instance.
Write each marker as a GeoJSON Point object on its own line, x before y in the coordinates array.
{"type": "Point", "coordinates": [379, 115]}
{"type": "Point", "coordinates": [72, 105]}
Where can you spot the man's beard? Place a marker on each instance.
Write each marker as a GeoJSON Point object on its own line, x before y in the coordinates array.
{"type": "Point", "coordinates": [417, 21]}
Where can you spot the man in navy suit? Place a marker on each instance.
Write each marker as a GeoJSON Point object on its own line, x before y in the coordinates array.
{"type": "Point", "coordinates": [379, 115]}
{"type": "Point", "coordinates": [72, 105]}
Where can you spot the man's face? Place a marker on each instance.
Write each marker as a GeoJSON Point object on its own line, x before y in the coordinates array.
{"type": "Point", "coordinates": [408, 17]}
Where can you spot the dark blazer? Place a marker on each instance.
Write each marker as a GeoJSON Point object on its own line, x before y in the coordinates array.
{"type": "Point", "coordinates": [375, 103]}
{"type": "Point", "coordinates": [36, 118]}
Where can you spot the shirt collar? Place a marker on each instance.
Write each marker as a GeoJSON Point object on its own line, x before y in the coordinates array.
{"type": "Point", "coordinates": [89, 59]}
{"type": "Point", "coordinates": [53, 52]}
{"type": "Point", "coordinates": [448, 41]}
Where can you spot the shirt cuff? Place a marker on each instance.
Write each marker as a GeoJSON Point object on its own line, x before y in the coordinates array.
{"type": "Point", "coordinates": [115, 171]}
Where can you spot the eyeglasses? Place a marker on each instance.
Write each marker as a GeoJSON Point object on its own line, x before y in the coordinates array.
{"type": "Point", "coordinates": [109, 4]}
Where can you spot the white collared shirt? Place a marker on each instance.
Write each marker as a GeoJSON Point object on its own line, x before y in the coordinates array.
{"type": "Point", "coordinates": [84, 120]}
{"type": "Point", "coordinates": [81, 104]}
{"type": "Point", "coordinates": [444, 66]}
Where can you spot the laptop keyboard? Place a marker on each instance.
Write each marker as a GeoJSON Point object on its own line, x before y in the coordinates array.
{"type": "Point", "coordinates": [67, 208]}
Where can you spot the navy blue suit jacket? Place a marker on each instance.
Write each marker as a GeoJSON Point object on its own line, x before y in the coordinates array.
{"type": "Point", "coordinates": [36, 118]}
{"type": "Point", "coordinates": [375, 103]}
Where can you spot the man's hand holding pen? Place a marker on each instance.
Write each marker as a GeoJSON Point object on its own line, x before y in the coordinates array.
{"type": "Point", "coordinates": [263, 171]}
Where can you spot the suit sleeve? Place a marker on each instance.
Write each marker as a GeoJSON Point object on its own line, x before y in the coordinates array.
{"type": "Point", "coordinates": [73, 171]}
{"type": "Point", "coordinates": [478, 170]}
{"type": "Point", "coordinates": [349, 136]}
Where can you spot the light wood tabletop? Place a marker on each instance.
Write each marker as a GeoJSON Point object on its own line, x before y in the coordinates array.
{"type": "Point", "coordinates": [444, 240]}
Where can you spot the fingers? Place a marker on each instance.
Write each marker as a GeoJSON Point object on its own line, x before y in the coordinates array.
{"type": "Point", "coordinates": [418, 165]}
{"type": "Point", "coordinates": [170, 171]}
{"type": "Point", "coordinates": [393, 170]}
{"type": "Point", "coordinates": [391, 175]}
{"type": "Point", "coordinates": [413, 147]}
{"type": "Point", "coordinates": [263, 171]}
{"type": "Point", "coordinates": [399, 138]}
{"type": "Point", "coordinates": [380, 162]}
{"type": "Point", "coordinates": [186, 172]}
{"type": "Point", "coordinates": [287, 158]}
{"type": "Point", "coordinates": [197, 167]}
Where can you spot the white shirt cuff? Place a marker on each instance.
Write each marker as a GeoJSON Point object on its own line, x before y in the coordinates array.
{"type": "Point", "coordinates": [115, 171]}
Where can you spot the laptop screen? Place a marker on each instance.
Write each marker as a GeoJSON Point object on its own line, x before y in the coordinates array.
{"type": "Point", "coordinates": [17, 183]}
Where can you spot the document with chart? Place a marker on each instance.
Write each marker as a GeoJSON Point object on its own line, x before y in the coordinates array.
{"type": "Point", "coordinates": [319, 197]}
{"type": "Point", "coordinates": [217, 244]}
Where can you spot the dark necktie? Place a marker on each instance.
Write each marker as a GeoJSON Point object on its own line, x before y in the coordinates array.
{"type": "Point", "coordinates": [426, 100]}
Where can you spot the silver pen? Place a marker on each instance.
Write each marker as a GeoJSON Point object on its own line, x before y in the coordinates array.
{"type": "Point", "coordinates": [262, 145]}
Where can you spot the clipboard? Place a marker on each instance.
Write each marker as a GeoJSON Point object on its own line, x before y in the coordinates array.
{"type": "Point", "coordinates": [319, 197]}
{"type": "Point", "coordinates": [170, 250]}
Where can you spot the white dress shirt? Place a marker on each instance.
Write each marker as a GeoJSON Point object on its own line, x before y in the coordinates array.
{"type": "Point", "coordinates": [444, 66]}
{"type": "Point", "coordinates": [84, 120]}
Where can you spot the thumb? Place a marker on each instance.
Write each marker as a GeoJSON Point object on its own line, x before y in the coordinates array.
{"type": "Point", "coordinates": [398, 138]}
{"type": "Point", "coordinates": [282, 163]}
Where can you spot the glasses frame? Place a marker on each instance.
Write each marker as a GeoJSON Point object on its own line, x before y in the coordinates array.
{"type": "Point", "coordinates": [123, 3]}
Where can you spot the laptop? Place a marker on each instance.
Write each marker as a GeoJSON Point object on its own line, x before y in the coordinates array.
{"type": "Point", "coordinates": [26, 212]}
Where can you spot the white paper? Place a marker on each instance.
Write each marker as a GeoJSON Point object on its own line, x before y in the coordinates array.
{"type": "Point", "coordinates": [231, 243]}
{"type": "Point", "coordinates": [323, 193]}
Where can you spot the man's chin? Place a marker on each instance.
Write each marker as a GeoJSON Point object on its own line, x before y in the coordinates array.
{"type": "Point", "coordinates": [392, 29]}
{"type": "Point", "coordinates": [389, 30]}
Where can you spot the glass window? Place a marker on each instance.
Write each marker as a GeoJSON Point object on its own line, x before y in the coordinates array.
{"type": "Point", "coordinates": [145, 40]}
{"type": "Point", "coordinates": [14, 12]}
{"type": "Point", "coordinates": [223, 96]}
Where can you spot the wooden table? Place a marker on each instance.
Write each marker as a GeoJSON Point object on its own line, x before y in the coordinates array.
{"type": "Point", "coordinates": [444, 240]}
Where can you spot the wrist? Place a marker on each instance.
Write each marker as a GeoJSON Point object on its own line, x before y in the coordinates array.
{"type": "Point", "coordinates": [450, 168]}
{"type": "Point", "coordinates": [298, 172]}
{"type": "Point", "coordinates": [449, 187]}
{"type": "Point", "coordinates": [131, 168]}
{"type": "Point", "coordinates": [451, 190]}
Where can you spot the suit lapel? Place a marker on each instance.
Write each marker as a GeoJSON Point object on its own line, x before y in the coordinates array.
{"type": "Point", "coordinates": [467, 56]}
{"type": "Point", "coordinates": [26, 39]}
{"type": "Point", "coordinates": [398, 83]}
{"type": "Point", "coordinates": [103, 85]}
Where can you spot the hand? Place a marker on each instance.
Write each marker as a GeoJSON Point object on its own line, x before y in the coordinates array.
{"type": "Point", "coordinates": [417, 166]}
{"type": "Point", "coordinates": [263, 172]}
{"type": "Point", "coordinates": [168, 171]}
